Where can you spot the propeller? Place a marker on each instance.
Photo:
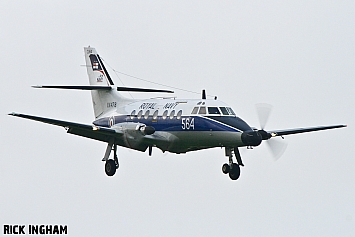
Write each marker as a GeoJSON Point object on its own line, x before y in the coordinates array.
{"type": "Point", "coordinates": [263, 111]}
{"type": "Point", "coordinates": [276, 147]}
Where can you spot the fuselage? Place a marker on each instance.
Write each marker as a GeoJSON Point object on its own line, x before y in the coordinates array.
{"type": "Point", "coordinates": [180, 125]}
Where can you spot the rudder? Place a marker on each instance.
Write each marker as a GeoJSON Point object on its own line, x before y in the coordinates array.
{"type": "Point", "coordinates": [98, 76]}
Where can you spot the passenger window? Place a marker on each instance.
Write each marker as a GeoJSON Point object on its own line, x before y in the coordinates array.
{"type": "Point", "coordinates": [155, 115]}
{"type": "Point", "coordinates": [194, 111]}
{"type": "Point", "coordinates": [133, 114]}
{"type": "Point", "coordinates": [172, 114]}
{"type": "Point", "coordinates": [178, 116]}
{"type": "Point", "coordinates": [146, 115]}
{"type": "Point", "coordinates": [139, 115]}
{"type": "Point", "coordinates": [202, 110]}
{"type": "Point", "coordinates": [224, 110]}
{"type": "Point", "coordinates": [213, 110]}
{"type": "Point", "coordinates": [165, 114]}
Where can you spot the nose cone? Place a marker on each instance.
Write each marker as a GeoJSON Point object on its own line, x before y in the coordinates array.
{"type": "Point", "coordinates": [251, 138]}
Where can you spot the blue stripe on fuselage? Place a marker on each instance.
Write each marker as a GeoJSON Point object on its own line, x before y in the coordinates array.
{"type": "Point", "coordinates": [185, 123]}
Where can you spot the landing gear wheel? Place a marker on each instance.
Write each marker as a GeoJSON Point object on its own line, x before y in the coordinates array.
{"type": "Point", "coordinates": [110, 167]}
{"type": "Point", "coordinates": [225, 168]}
{"type": "Point", "coordinates": [234, 173]}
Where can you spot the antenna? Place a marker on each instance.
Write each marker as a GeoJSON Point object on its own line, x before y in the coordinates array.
{"type": "Point", "coordinates": [203, 94]}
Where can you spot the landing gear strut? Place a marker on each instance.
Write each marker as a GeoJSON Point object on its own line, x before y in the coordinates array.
{"type": "Point", "coordinates": [232, 169]}
{"type": "Point", "coordinates": [111, 164]}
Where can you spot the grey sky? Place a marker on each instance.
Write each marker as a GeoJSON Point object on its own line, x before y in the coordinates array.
{"type": "Point", "coordinates": [298, 56]}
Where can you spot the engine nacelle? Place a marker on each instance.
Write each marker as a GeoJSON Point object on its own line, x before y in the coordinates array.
{"type": "Point", "coordinates": [133, 134]}
{"type": "Point", "coordinates": [133, 128]}
{"type": "Point", "coordinates": [251, 138]}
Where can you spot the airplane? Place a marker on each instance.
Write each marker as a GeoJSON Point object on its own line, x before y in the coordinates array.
{"type": "Point", "coordinates": [169, 124]}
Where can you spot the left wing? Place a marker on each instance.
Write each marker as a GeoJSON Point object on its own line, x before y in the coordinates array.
{"type": "Point", "coordinates": [302, 130]}
{"type": "Point", "coordinates": [84, 130]}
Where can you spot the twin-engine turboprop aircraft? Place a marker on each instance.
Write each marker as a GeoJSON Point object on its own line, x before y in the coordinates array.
{"type": "Point", "coordinates": [174, 125]}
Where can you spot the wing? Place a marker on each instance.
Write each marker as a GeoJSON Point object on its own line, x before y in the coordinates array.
{"type": "Point", "coordinates": [107, 88]}
{"type": "Point", "coordinates": [302, 130]}
{"type": "Point", "coordinates": [84, 130]}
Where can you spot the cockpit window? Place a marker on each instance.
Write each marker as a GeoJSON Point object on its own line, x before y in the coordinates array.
{"type": "Point", "coordinates": [230, 111]}
{"type": "Point", "coordinates": [227, 110]}
{"type": "Point", "coordinates": [194, 111]}
{"type": "Point", "coordinates": [213, 110]}
{"type": "Point", "coordinates": [202, 110]}
{"type": "Point", "coordinates": [224, 110]}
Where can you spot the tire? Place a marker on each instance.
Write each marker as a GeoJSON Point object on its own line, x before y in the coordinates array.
{"type": "Point", "coordinates": [110, 167]}
{"type": "Point", "coordinates": [234, 173]}
{"type": "Point", "coordinates": [225, 168]}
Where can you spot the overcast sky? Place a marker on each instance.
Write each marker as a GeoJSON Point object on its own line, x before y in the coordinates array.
{"type": "Point", "coordinates": [298, 56]}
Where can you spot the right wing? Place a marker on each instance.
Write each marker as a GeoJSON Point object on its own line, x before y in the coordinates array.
{"type": "Point", "coordinates": [84, 130]}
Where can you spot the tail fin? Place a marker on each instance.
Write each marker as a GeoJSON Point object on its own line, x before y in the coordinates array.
{"type": "Point", "coordinates": [103, 100]}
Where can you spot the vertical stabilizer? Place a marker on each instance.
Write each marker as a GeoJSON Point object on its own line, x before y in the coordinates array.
{"type": "Point", "coordinates": [103, 100]}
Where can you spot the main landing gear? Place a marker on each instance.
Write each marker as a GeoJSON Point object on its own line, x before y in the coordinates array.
{"type": "Point", "coordinates": [111, 165]}
{"type": "Point", "coordinates": [233, 169]}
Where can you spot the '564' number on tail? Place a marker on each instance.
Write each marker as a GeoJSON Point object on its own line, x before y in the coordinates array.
{"type": "Point", "coordinates": [188, 123]}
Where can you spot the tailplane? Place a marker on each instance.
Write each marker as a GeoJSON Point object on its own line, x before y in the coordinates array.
{"type": "Point", "coordinates": [105, 97]}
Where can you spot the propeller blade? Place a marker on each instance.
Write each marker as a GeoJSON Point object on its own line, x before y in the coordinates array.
{"type": "Point", "coordinates": [276, 147]}
{"type": "Point", "coordinates": [263, 111]}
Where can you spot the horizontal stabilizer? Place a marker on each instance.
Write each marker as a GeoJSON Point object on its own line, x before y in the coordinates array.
{"type": "Point", "coordinates": [76, 87]}
{"type": "Point", "coordinates": [141, 90]}
{"type": "Point", "coordinates": [130, 89]}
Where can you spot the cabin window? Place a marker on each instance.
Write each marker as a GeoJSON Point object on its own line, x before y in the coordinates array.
{"type": "Point", "coordinates": [155, 115]}
{"type": "Point", "coordinates": [139, 115]}
{"type": "Point", "coordinates": [165, 114]}
{"type": "Point", "coordinates": [133, 114]}
{"type": "Point", "coordinates": [224, 110]}
{"type": "Point", "coordinates": [172, 114]}
{"type": "Point", "coordinates": [213, 110]}
{"type": "Point", "coordinates": [202, 110]}
{"type": "Point", "coordinates": [146, 115]}
{"type": "Point", "coordinates": [194, 111]}
{"type": "Point", "coordinates": [178, 116]}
